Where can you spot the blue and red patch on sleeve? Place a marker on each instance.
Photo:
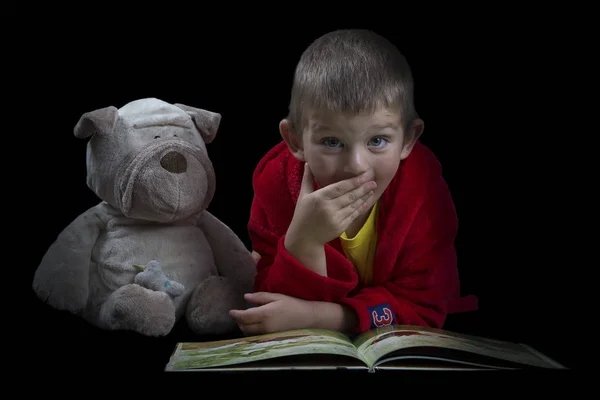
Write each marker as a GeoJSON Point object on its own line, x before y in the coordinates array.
{"type": "Point", "coordinates": [381, 315]}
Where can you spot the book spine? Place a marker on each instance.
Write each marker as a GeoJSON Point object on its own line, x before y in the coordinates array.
{"type": "Point", "coordinates": [544, 357]}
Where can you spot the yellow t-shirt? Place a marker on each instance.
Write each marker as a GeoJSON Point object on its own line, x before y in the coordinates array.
{"type": "Point", "coordinates": [360, 249]}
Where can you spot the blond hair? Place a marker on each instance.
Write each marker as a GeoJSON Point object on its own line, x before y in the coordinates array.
{"type": "Point", "coordinates": [351, 71]}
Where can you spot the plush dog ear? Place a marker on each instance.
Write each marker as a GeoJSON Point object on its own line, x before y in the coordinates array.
{"type": "Point", "coordinates": [100, 121]}
{"type": "Point", "coordinates": [207, 122]}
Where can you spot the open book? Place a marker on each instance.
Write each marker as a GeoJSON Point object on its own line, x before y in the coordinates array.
{"type": "Point", "coordinates": [391, 347]}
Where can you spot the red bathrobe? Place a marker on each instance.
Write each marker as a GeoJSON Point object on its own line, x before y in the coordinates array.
{"type": "Point", "coordinates": [415, 277]}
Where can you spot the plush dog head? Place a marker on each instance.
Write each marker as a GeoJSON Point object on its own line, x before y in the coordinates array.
{"type": "Point", "coordinates": [148, 159]}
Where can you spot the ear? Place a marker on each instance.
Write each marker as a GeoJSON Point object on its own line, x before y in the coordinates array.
{"type": "Point", "coordinates": [99, 121]}
{"type": "Point", "coordinates": [411, 137]}
{"type": "Point", "coordinates": [293, 141]}
{"type": "Point", "coordinates": [207, 122]}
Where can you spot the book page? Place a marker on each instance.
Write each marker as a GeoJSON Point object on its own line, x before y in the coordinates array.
{"type": "Point", "coordinates": [415, 341]}
{"type": "Point", "coordinates": [204, 355]}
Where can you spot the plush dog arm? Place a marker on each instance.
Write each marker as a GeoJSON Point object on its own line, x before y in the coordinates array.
{"type": "Point", "coordinates": [62, 277]}
{"type": "Point", "coordinates": [234, 261]}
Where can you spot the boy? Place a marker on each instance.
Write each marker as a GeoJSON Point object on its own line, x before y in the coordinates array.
{"type": "Point", "coordinates": [351, 218]}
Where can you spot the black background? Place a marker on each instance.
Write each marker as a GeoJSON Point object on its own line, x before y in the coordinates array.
{"type": "Point", "coordinates": [486, 91]}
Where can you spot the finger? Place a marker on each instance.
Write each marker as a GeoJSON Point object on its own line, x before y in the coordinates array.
{"type": "Point", "coordinates": [340, 188]}
{"type": "Point", "coordinates": [307, 181]}
{"type": "Point", "coordinates": [358, 207]}
{"type": "Point", "coordinates": [249, 316]}
{"type": "Point", "coordinates": [355, 196]}
{"type": "Point", "coordinates": [262, 298]}
{"type": "Point", "coordinates": [252, 329]}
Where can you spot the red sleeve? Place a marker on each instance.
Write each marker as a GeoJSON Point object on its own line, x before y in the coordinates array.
{"type": "Point", "coordinates": [424, 281]}
{"type": "Point", "coordinates": [279, 272]}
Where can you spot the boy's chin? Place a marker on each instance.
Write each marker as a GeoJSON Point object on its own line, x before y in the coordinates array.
{"type": "Point", "coordinates": [321, 183]}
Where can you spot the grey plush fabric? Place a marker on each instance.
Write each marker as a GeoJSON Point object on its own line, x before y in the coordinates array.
{"type": "Point", "coordinates": [149, 252]}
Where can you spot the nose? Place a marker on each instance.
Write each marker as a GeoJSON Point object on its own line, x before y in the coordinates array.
{"type": "Point", "coordinates": [356, 163]}
{"type": "Point", "coordinates": [174, 162]}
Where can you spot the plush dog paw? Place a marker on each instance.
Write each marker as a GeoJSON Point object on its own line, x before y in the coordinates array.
{"type": "Point", "coordinates": [136, 308]}
{"type": "Point", "coordinates": [207, 312]}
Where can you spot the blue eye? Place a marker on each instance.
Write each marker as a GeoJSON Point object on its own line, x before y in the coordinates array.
{"type": "Point", "coordinates": [378, 141]}
{"type": "Point", "coordinates": [331, 142]}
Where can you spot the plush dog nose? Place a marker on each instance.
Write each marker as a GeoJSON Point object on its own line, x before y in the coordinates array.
{"type": "Point", "coordinates": [174, 162]}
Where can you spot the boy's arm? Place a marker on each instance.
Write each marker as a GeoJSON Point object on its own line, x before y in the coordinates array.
{"type": "Point", "coordinates": [334, 316]}
{"type": "Point", "coordinates": [279, 272]}
{"type": "Point", "coordinates": [424, 286]}
{"type": "Point", "coordinates": [417, 296]}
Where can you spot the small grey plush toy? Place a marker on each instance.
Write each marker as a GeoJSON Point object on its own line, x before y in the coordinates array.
{"type": "Point", "coordinates": [153, 277]}
{"type": "Point", "coordinates": [149, 252]}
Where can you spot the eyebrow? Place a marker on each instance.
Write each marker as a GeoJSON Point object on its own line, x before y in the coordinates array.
{"type": "Point", "coordinates": [382, 127]}
{"type": "Point", "coordinates": [317, 127]}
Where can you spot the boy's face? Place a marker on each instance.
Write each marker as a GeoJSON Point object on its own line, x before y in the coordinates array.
{"type": "Point", "coordinates": [338, 147]}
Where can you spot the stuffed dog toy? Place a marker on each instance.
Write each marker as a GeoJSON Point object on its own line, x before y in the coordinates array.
{"type": "Point", "coordinates": [149, 252]}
